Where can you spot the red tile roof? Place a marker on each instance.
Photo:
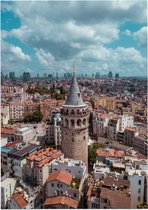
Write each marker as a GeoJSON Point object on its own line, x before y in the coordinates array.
{"type": "Point", "coordinates": [18, 197]}
{"type": "Point", "coordinates": [62, 176]}
{"type": "Point", "coordinates": [109, 181]}
{"type": "Point", "coordinates": [44, 156]}
{"type": "Point", "coordinates": [108, 152]}
{"type": "Point", "coordinates": [118, 199]}
{"type": "Point", "coordinates": [11, 145]}
{"type": "Point", "coordinates": [8, 130]}
{"type": "Point", "coordinates": [63, 200]}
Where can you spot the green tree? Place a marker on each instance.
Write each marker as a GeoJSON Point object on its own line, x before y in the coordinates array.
{"type": "Point", "coordinates": [11, 121]}
{"type": "Point", "coordinates": [142, 206]}
{"type": "Point", "coordinates": [36, 116]}
{"type": "Point", "coordinates": [92, 153]}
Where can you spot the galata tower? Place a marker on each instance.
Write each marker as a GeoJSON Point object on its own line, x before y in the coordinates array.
{"type": "Point", "coordinates": [74, 115]}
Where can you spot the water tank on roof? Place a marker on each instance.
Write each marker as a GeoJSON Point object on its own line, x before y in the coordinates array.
{"type": "Point", "coordinates": [106, 149]}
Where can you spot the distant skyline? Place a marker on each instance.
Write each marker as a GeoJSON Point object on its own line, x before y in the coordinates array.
{"type": "Point", "coordinates": [99, 36]}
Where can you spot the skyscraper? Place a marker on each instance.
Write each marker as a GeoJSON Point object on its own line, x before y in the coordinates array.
{"type": "Point", "coordinates": [110, 75]}
{"type": "Point", "coordinates": [12, 75]}
{"type": "Point", "coordinates": [26, 76]}
{"type": "Point", "coordinates": [74, 127]}
{"type": "Point", "coordinates": [117, 75]}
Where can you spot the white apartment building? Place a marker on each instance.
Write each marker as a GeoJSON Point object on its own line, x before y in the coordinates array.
{"type": "Point", "coordinates": [17, 160]}
{"type": "Point", "coordinates": [125, 121]}
{"type": "Point", "coordinates": [53, 130]}
{"type": "Point", "coordinates": [75, 167]}
{"type": "Point", "coordinates": [138, 177]}
{"type": "Point", "coordinates": [100, 125]}
{"type": "Point", "coordinates": [4, 141]}
{"type": "Point", "coordinates": [25, 134]}
{"type": "Point", "coordinates": [5, 116]}
{"type": "Point", "coordinates": [119, 124]}
{"type": "Point", "coordinates": [16, 110]}
{"type": "Point", "coordinates": [60, 183]}
{"type": "Point", "coordinates": [7, 189]}
{"type": "Point", "coordinates": [99, 170]}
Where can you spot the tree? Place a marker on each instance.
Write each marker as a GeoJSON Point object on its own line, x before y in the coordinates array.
{"type": "Point", "coordinates": [36, 116]}
{"type": "Point", "coordinates": [142, 206]}
{"type": "Point", "coordinates": [11, 121]}
{"type": "Point", "coordinates": [92, 153]}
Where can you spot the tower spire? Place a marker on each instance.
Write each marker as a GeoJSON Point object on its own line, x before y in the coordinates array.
{"type": "Point", "coordinates": [74, 96]}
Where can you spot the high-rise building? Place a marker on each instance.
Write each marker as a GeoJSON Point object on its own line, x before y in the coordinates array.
{"type": "Point", "coordinates": [12, 75]}
{"type": "Point", "coordinates": [110, 75]}
{"type": "Point", "coordinates": [74, 115]}
{"type": "Point", "coordinates": [97, 75]}
{"type": "Point", "coordinates": [26, 76]}
{"type": "Point", "coordinates": [117, 75]}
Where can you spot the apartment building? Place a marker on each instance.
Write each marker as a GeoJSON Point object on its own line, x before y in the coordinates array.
{"type": "Point", "coordinates": [25, 134]}
{"type": "Point", "coordinates": [38, 165]}
{"type": "Point", "coordinates": [4, 154]}
{"type": "Point", "coordinates": [129, 135]}
{"type": "Point", "coordinates": [75, 167]}
{"type": "Point", "coordinates": [7, 189]}
{"type": "Point", "coordinates": [5, 117]}
{"type": "Point", "coordinates": [53, 130]}
{"type": "Point", "coordinates": [17, 159]}
{"type": "Point", "coordinates": [62, 183]}
{"type": "Point", "coordinates": [138, 183]}
{"type": "Point", "coordinates": [113, 128]}
{"type": "Point", "coordinates": [141, 144]}
{"type": "Point", "coordinates": [8, 133]}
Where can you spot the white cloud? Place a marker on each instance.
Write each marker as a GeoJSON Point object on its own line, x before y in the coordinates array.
{"type": "Point", "coordinates": [125, 60]}
{"type": "Point", "coordinates": [17, 51]}
{"type": "Point", "coordinates": [141, 36]}
{"type": "Point", "coordinates": [13, 58]}
{"type": "Point", "coordinates": [61, 32]}
{"type": "Point", "coordinates": [127, 32]}
{"type": "Point", "coordinates": [44, 58]}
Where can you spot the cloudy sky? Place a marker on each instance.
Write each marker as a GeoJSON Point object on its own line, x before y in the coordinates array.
{"type": "Point", "coordinates": [99, 36]}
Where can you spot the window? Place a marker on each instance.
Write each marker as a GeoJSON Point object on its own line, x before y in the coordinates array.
{"type": "Point", "coordinates": [58, 185]}
{"type": "Point", "coordinates": [138, 198]}
{"type": "Point", "coordinates": [139, 182]}
{"type": "Point", "coordinates": [74, 195]}
{"type": "Point", "coordinates": [139, 190]}
{"type": "Point", "coordinates": [52, 184]}
{"type": "Point", "coordinates": [61, 185]}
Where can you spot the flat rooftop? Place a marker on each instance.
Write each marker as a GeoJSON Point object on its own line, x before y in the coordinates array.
{"type": "Point", "coordinates": [24, 151]}
{"type": "Point", "coordinates": [7, 181]}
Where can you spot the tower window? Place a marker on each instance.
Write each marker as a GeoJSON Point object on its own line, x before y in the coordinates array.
{"type": "Point", "coordinates": [78, 94]}
{"type": "Point", "coordinates": [78, 122]}
{"type": "Point", "coordinates": [84, 138]}
{"type": "Point", "coordinates": [72, 123]}
{"type": "Point", "coordinates": [72, 139]}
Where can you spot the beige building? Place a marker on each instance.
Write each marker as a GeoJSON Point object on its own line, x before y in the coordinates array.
{"type": "Point", "coordinates": [38, 165]}
{"type": "Point", "coordinates": [5, 117]}
{"type": "Point", "coordinates": [74, 115]}
{"type": "Point", "coordinates": [7, 189]}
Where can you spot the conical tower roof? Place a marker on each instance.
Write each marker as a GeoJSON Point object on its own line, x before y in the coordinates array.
{"type": "Point", "coordinates": [74, 96]}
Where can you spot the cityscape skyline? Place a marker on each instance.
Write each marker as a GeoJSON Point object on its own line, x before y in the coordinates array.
{"type": "Point", "coordinates": [46, 37]}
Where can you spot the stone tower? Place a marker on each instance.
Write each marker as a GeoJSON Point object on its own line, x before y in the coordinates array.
{"type": "Point", "coordinates": [74, 115]}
